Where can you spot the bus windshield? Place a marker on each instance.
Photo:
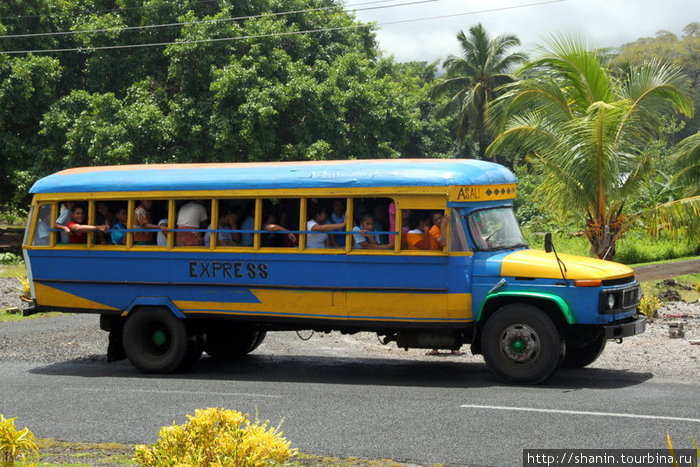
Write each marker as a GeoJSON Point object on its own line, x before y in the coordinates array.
{"type": "Point", "coordinates": [495, 229]}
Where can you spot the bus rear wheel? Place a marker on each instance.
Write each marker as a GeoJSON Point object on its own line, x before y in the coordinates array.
{"type": "Point", "coordinates": [227, 342]}
{"type": "Point", "coordinates": [521, 344]}
{"type": "Point", "coordinates": [155, 340]}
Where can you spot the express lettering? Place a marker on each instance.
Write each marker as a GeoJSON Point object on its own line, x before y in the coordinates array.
{"type": "Point", "coordinates": [227, 270]}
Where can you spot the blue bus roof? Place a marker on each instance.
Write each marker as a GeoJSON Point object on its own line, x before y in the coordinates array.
{"type": "Point", "coordinates": [280, 175]}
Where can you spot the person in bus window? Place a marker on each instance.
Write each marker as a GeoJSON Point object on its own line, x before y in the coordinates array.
{"type": "Point", "coordinates": [43, 226]}
{"type": "Point", "coordinates": [248, 225]}
{"type": "Point", "coordinates": [64, 216]}
{"type": "Point", "coordinates": [228, 220]}
{"type": "Point", "coordinates": [270, 224]}
{"type": "Point", "coordinates": [418, 237]}
{"type": "Point", "coordinates": [79, 230]}
{"type": "Point", "coordinates": [142, 220]}
{"type": "Point", "coordinates": [337, 216]}
{"type": "Point", "coordinates": [364, 237]}
{"type": "Point", "coordinates": [103, 216]}
{"type": "Point", "coordinates": [117, 231]}
{"type": "Point", "coordinates": [191, 216]}
{"type": "Point", "coordinates": [437, 231]}
{"type": "Point", "coordinates": [317, 223]}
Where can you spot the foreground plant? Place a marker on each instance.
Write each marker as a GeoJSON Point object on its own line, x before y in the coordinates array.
{"type": "Point", "coordinates": [14, 443]}
{"type": "Point", "coordinates": [216, 437]}
{"type": "Point", "coordinates": [649, 306]}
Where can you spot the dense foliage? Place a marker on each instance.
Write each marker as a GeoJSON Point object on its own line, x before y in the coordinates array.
{"type": "Point", "coordinates": [249, 89]}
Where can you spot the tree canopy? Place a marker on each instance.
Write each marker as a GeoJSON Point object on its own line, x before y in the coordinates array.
{"type": "Point", "coordinates": [232, 81]}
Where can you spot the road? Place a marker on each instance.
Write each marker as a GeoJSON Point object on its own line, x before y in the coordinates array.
{"type": "Point", "coordinates": [445, 410]}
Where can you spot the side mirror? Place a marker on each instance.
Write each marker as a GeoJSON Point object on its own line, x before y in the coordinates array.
{"type": "Point", "coordinates": [548, 242]}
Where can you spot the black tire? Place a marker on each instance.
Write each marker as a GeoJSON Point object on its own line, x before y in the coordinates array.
{"type": "Point", "coordinates": [521, 344]}
{"type": "Point", "coordinates": [228, 342]}
{"type": "Point", "coordinates": [584, 355]}
{"type": "Point", "coordinates": [155, 340]}
{"type": "Point", "coordinates": [195, 348]}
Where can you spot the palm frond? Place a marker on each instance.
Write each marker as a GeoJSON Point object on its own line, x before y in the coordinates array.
{"type": "Point", "coordinates": [687, 160]}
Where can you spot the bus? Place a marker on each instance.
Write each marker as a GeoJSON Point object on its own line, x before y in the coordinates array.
{"type": "Point", "coordinates": [166, 296]}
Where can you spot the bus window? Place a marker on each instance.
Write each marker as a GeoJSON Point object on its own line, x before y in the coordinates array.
{"type": "Point", "coordinates": [146, 214]}
{"type": "Point", "coordinates": [191, 222]}
{"type": "Point", "coordinates": [373, 223]}
{"type": "Point", "coordinates": [458, 237]}
{"type": "Point", "coordinates": [118, 215]}
{"type": "Point", "coordinates": [42, 234]}
{"type": "Point", "coordinates": [280, 220]}
{"type": "Point", "coordinates": [423, 233]}
{"type": "Point", "coordinates": [227, 230]}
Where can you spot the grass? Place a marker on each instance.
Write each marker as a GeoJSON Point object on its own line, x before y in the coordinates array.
{"type": "Point", "coordinates": [64, 454]}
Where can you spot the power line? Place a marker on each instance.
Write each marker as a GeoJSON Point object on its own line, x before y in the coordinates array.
{"type": "Point", "coordinates": [208, 21]}
{"type": "Point", "coordinates": [279, 34]}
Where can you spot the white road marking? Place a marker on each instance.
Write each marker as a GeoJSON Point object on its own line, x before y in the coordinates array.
{"type": "Point", "coordinates": [580, 412]}
{"type": "Point", "coordinates": [171, 391]}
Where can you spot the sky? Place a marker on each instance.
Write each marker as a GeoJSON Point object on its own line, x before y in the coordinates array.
{"type": "Point", "coordinates": [603, 23]}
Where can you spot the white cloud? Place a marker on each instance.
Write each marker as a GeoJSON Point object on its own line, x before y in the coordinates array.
{"type": "Point", "coordinates": [603, 22]}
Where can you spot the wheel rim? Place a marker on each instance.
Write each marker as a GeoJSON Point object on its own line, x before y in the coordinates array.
{"type": "Point", "coordinates": [520, 344]}
{"type": "Point", "coordinates": [156, 339]}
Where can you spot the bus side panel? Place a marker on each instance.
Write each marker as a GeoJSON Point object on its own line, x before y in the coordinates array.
{"type": "Point", "coordinates": [260, 286]}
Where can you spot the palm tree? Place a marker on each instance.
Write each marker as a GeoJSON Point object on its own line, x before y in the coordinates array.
{"type": "Point", "coordinates": [588, 134]}
{"type": "Point", "coordinates": [471, 81]}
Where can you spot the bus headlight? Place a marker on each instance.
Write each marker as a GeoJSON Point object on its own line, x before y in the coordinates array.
{"type": "Point", "coordinates": [611, 301]}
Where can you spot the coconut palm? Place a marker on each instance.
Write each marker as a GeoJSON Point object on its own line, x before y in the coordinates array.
{"type": "Point", "coordinates": [471, 81]}
{"type": "Point", "coordinates": [588, 133]}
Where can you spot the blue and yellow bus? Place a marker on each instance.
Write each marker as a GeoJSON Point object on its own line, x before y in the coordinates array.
{"type": "Point", "coordinates": [268, 265]}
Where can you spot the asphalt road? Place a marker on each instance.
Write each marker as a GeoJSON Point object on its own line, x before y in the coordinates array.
{"type": "Point", "coordinates": [358, 404]}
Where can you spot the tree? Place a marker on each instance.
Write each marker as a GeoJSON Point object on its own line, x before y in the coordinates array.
{"type": "Point", "coordinates": [589, 134]}
{"type": "Point", "coordinates": [472, 79]}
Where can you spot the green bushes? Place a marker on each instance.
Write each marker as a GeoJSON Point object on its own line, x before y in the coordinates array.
{"type": "Point", "coordinates": [216, 437]}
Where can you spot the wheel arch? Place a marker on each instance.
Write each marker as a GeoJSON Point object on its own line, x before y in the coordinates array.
{"type": "Point", "coordinates": [555, 307]}
{"type": "Point", "coordinates": [161, 302]}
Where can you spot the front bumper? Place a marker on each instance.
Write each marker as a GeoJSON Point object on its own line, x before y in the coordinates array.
{"type": "Point", "coordinates": [631, 327]}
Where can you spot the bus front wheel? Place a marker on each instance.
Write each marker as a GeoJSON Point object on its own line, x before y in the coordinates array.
{"type": "Point", "coordinates": [521, 344]}
{"type": "Point", "coordinates": [583, 355]}
{"type": "Point", "coordinates": [155, 341]}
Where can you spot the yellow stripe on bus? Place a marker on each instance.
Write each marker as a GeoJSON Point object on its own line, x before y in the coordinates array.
{"type": "Point", "coordinates": [50, 296]}
{"type": "Point", "coordinates": [345, 305]}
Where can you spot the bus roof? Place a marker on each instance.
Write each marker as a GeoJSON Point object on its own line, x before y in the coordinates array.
{"type": "Point", "coordinates": [276, 175]}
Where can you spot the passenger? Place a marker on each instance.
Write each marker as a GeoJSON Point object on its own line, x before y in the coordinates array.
{"type": "Point", "coordinates": [161, 235]}
{"type": "Point", "coordinates": [142, 220]}
{"type": "Point", "coordinates": [337, 216]}
{"type": "Point", "coordinates": [118, 230]}
{"type": "Point", "coordinates": [270, 224]}
{"type": "Point", "coordinates": [317, 223]}
{"type": "Point", "coordinates": [438, 230]}
{"type": "Point", "coordinates": [103, 217]}
{"type": "Point", "coordinates": [42, 237]}
{"type": "Point", "coordinates": [248, 225]}
{"type": "Point", "coordinates": [381, 221]}
{"type": "Point", "coordinates": [191, 216]}
{"type": "Point", "coordinates": [79, 230]}
{"type": "Point", "coordinates": [64, 217]}
{"type": "Point", "coordinates": [365, 237]}
{"type": "Point", "coordinates": [419, 238]}
{"type": "Point", "coordinates": [228, 220]}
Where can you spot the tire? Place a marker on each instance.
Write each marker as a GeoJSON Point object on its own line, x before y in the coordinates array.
{"type": "Point", "coordinates": [155, 340]}
{"type": "Point", "coordinates": [584, 355]}
{"type": "Point", "coordinates": [521, 344]}
{"type": "Point", "coordinates": [195, 348]}
{"type": "Point", "coordinates": [228, 342]}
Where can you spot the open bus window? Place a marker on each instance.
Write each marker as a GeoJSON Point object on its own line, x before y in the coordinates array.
{"type": "Point", "coordinates": [146, 217]}
{"type": "Point", "coordinates": [42, 234]}
{"type": "Point", "coordinates": [495, 229]}
{"type": "Point", "coordinates": [280, 221]}
{"type": "Point", "coordinates": [376, 218]}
